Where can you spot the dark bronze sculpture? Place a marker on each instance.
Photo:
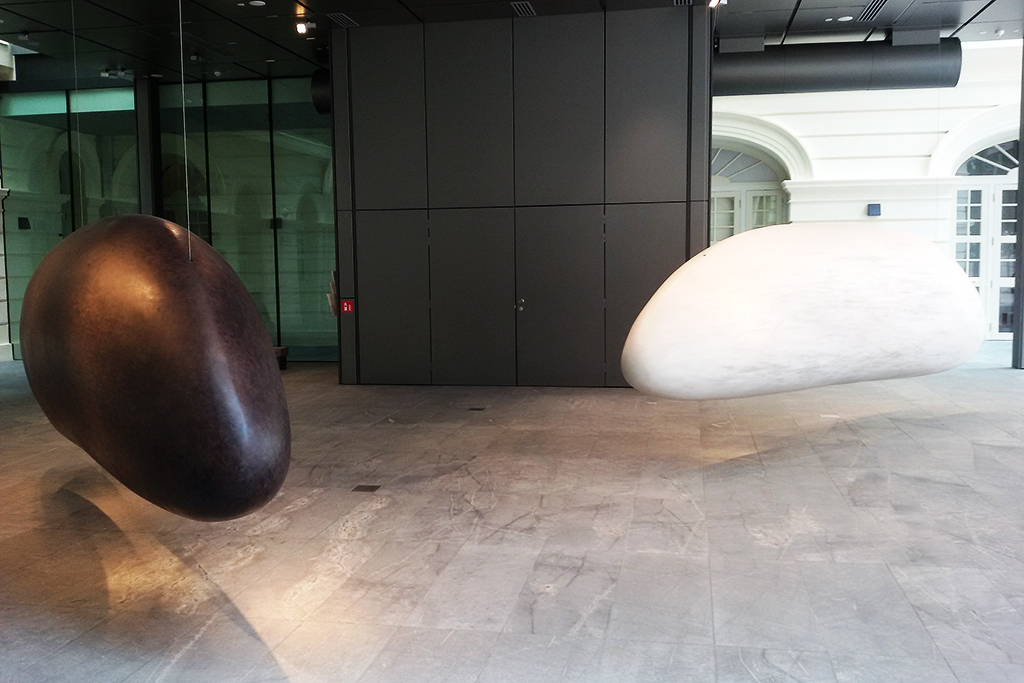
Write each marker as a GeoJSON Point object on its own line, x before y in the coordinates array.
{"type": "Point", "coordinates": [158, 366]}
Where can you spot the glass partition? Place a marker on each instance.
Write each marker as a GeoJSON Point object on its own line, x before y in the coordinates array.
{"type": "Point", "coordinates": [241, 188]}
{"type": "Point", "coordinates": [256, 185]}
{"type": "Point", "coordinates": [305, 211]}
{"type": "Point", "coordinates": [67, 159]}
{"type": "Point", "coordinates": [175, 146]}
{"type": "Point", "coordinates": [103, 141]}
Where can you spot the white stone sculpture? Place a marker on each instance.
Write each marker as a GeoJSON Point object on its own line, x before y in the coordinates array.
{"type": "Point", "coordinates": [803, 305]}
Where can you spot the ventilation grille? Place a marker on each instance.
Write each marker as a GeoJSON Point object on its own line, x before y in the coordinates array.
{"type": "Point", "coordinates": [523, 8]}
{"type": "Point", "coordinates": [872, 10]}
{"type": "Point", "coordinates": [682, 3]}
{"type": "Point", "coordinates": [342, 19]}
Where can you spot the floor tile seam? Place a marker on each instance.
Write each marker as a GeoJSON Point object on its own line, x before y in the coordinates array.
{"type": "Point", "coordinates": [936, 649]}
{"type": "Point", "coordinates": [1020, 608]}
{"type": "Point", "coordinates": [270, 651]}
{"type": "Point", "coordinates": [114, 613]}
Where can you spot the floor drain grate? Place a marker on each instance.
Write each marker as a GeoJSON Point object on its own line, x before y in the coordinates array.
{"type": "Point", "coordinates": [365, 488]}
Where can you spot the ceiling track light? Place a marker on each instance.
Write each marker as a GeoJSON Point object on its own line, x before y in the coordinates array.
{"type": "Point", "coordinates": [126, 74]}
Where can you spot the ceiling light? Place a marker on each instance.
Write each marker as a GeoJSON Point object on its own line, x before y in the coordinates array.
{"type": "Point", "coordinates": [257, 3]}
{"type": "Point", "coordinates": [303, 27]}
{"type": "Point", "coordinates": [846, 18]}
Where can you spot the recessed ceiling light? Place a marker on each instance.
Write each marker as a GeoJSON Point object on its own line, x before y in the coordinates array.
{"type": "Point", "coordinates": [257, 3]}
{"type": "Point", "coordinates": [829, 19]}
{"type": "Point", "coordinates": [270, 61]}
{"type": "Point", "coordinates": [846, 18]}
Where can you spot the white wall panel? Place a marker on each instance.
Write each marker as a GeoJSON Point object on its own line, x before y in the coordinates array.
{"type": "Point", "coordinates": [839, 168]}
{"type": "Point", "coordinates": [924, 207]}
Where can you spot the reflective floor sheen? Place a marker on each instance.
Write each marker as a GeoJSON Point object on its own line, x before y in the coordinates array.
{"type": "Point", "coordinates": [862, 533]}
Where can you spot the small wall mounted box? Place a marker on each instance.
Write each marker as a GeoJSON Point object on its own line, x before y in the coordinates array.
{"type": "Point", "coordinates": [874, 209]}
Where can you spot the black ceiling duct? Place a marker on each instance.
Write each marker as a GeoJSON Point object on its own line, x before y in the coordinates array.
{"type": "Point", "coordinates": [831, 67]}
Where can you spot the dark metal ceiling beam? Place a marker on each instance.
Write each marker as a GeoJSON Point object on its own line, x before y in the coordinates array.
{"type": "Point", "coordinates": [837, 67]}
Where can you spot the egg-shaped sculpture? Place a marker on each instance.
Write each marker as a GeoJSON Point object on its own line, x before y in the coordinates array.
{"type": "Point", "coordinates": [144, 348]}
{"type": "Point", "coordinates": [803, 305]}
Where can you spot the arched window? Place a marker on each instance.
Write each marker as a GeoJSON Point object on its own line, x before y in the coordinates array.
{"type": "Point", "coordinates": [746, 192]}
{"type": "Point", "coordinates": [985, 230]}
{"type": "Point", "coordinates": [995, 160]}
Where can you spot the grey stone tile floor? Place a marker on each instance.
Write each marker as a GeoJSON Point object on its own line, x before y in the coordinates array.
{"type": "Point", "coordinates": [866, 533]}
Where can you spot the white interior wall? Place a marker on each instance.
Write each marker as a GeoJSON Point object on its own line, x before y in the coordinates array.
{"type": "Point", "coordinates": [878, 146]}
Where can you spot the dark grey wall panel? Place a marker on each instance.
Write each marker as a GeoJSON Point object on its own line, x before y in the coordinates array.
{"type": "Point", "coordinates": [644, 244]}
{"type": "Point", "coordinates": [472, 285]}
{"type": "Point", "coordinates": [341, 121]}
{"type": "Point", "coordinates": [559, 109]}
{"type": "Point", "coordinates": [647, 85]}
{"type": "Point", "coordinates": [560, 281]}
{"type": "Point", "coordinates": [393, 305]}
{"type": "Point", "coordinates": [348, 352]}
{"type": "Point", "coordinates": [388, 117]}
{"type": "Point", "coordinates": [699, 232]}
{"type": "Point", "coordinates": [469, 113]}
{"type": "Point", "coordinates": [346, 255]}
{"type": "Point", "coordinates": [700, 102]}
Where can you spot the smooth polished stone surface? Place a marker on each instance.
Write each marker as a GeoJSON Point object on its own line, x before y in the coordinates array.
{"type": "Point", "coordinates": [145, 349]}
{"type": "Point", "coordinates": [803, 305]}
{"type": "Point", "coordinates": [861, 533]}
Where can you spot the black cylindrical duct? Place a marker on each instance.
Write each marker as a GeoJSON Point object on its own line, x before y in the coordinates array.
{"type": "Point", "coordinates": [321, 87]}
{"type": "Point", "coordinates": [831, 67]}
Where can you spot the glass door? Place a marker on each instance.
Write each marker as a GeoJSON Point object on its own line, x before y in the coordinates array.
{"type": "Point", "coordinates": [986, 235]}
{"type": "Point", "coordinates": [724, 212]}
{"type": "Point", "coordinates": [1005, 241]}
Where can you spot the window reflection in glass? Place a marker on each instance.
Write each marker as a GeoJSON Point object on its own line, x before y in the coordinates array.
{"type": "Point", "coordinates": [64, 168]}
{"type": "Point", "coordinates": [1006, 309]}
{"type": "Point", "coordinates": [241, 191]}
{"type": "Point", "coordinates": [175, 176]}
{"type": "Point", "coordinates": [305, 211]}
